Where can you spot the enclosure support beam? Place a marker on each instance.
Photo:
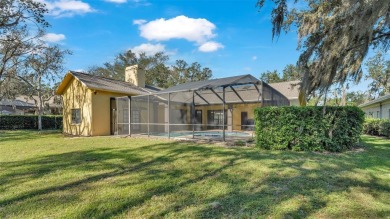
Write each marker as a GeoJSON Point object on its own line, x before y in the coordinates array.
{"type": "Point", "coordinates": [193, 114]}
{"type": "Point", "coordinates": [257, 87]}
{"type": "Point", "coordinates": [116, 115]}
{"type": "Point", "coordinates": [148, 115]}
{"type": "Point", "coordinates": [262, 94]}
{"type": "Point", "coordinates": [224, 114]}
{"type": "Point", "coordinates": [169, 115]}
{"type": "Point", "coordinates": [222, 99]}
{"type": "Point", "coordinates": [130, 116]}
{"type": "Point", "coordinates": [202, 98]}
{"type": "Point", "coordinates": [234, 90]}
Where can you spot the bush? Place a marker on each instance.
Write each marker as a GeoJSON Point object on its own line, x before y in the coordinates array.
{"type": "Point", "coordinates": [308, 128]}
{"type": "Point", "coordinates": [10, 122]}
{"type": "Point", "coordinates": [378, 127]}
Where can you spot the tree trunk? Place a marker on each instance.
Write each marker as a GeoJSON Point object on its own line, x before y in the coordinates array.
{"type": "Point", "coordinates": [40, 106]}
{"type": "Point", "coordinates": [344, 97]}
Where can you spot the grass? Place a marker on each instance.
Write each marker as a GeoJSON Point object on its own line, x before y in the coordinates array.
{"type": "Point", "coordinates": [49, 176]}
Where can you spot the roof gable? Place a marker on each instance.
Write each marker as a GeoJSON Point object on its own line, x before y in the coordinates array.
{"type": "Point", "coordinates": [289, 89]}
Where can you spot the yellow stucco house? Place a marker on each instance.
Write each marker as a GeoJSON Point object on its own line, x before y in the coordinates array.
{"type": "Point", "coordinates": [94, 106]}
{"type": "Point", "coordinates": [87, 100]}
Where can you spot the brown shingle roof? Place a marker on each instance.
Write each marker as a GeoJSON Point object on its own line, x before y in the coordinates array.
{"type": "Point", "coordinates": [106, 84]}
{"type": "Point", "coordinates": [289, 89]}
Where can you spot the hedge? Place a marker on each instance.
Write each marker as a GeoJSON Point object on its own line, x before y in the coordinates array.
{"type": "Point", "coordinates": [10, 122]}
{"type": "Point", "coordinates": [308, 128]}
{"type": "Point", "coordinates": [378, 127]}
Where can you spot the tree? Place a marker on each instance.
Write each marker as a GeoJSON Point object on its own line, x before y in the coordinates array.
{"type": "Point", "coordinates": [291, 73]}
{"type": "Point", "coordinates": [17, 38]}
{"type": "Point", "coordinates": [158, 73]}
{"type": "Point", "coordinates": [356, 98]}
{"type": "Point", "coordinates": [271, 77]}
{"type": "Point", "coordinates": [181, 73]}
{"type": "Point", "coordinates": [334, 37]}
{"type": "Point", "coordinates": [379, 71]}
{"type": "Point", "coordinates": [11, 86]}
{"type": "Point", "coordinates": [42, 68]}
{"type": "Point", "coordinates": [339, 97]}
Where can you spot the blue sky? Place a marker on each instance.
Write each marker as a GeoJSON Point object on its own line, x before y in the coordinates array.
{"type": "Point", "coordinates": [229, 36]}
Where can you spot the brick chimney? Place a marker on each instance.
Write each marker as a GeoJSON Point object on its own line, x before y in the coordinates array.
{"type": "Point", "coordinates": [135, 75]}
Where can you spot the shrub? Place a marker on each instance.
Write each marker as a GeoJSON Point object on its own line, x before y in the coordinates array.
{"type": "Point", "coordinates": [308, 128]}
{"type": "Point", "coordinates": [9, 122]}
{"type": "Point", "coordinates": [378, 127]}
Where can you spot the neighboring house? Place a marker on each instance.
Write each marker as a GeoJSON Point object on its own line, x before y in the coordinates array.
{"type": "Point", "coordinates": [289, 89]}
{"type": "Point", "coordinates": [16, 107]}
{"type": "Point", "coordinates": [52, 106]}
{"type": "Point", "coordinates": [93, 106]}
{"type": "Point", "coordinates": [379, 108]}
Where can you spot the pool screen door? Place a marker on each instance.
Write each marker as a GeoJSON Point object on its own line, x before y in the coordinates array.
{"type": "Point", "coordinates": [122, 116]}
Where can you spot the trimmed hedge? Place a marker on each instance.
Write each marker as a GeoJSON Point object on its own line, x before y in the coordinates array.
{"type": "Point", "coordinates": [378, 127]}
{"type": "Point", "coordinates": [308, 128]}
{"type": "Point", "coordinates": [10, 122]}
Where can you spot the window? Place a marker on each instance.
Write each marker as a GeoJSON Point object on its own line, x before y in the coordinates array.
{"type": "Point", "coordinates": [198, 116]}
{"type": "Point", "coordinates": [76, 116]}
{"type": "Point", "coordinates": [215, 119]}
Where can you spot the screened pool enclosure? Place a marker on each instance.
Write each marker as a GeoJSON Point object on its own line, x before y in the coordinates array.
{"type": "Point", "coordinates": [219, 109]}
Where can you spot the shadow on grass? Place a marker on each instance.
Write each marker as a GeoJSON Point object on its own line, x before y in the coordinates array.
{"type": "Point", "coordinates": [287, 181]}
{"type": "Point", "coordinates": [25, 135]}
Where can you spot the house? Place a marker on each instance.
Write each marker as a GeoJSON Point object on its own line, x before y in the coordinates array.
{"type": "Point", "coordinates": [95, 105]}
{"type": "Point", "coordinates": [52, 106]}
{"type": "Point", "coordinates": [15, 107]}
{"type": "Point", "coordinates": [87, 100]}
{"type": "Point", "coordinates": [379, 108]}
{"type": "Point", "coordinates": [27, 105]}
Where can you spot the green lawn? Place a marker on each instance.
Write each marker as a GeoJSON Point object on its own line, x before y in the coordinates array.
{"type": "Point", "coordinates": [49, 176]}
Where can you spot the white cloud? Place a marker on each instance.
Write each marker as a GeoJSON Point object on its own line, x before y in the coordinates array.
{"type": "Point", "coordinates": [254, 58]}
{"type": "Point", "coordinates": [139, 3]}
{"type": "Point", "coordinates": [181, 27]}
{"type": "Point", "coordinates": [139, 22]}
{"type": "Point", "coordinates": [197, 30]}
{"type": "Point", "coordinates": [53, 37]}
{"type": "Point", "coordinates": [148, 48]}
{"type": "Point", "coordinates": [117, 1]}
{"type": "Point", "coordinates": [210, 47]}
{"type": "Point", "coordinates": [66, 8]}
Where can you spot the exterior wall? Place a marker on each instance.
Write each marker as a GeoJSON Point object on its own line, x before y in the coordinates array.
{"type": "Point", "coordinates": [77, 96]}
{"type": "Point", "coordinates": [294, 102]}
{"type": "Point", "coordinates": [237, 109]}
{"type": "Point", "coordinates": [386, 110]}
{"type": "Point", "coordinates": [374, 110]}
{"type": "Point", "coordinates": [101, 115]}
